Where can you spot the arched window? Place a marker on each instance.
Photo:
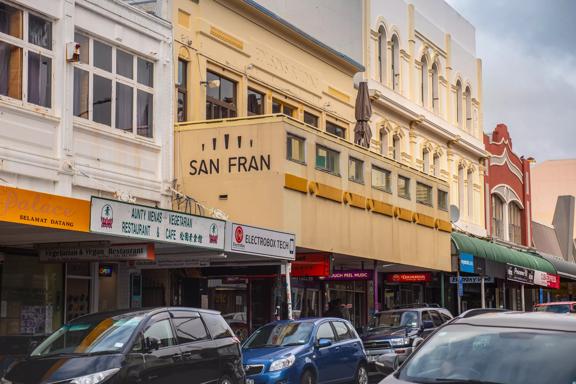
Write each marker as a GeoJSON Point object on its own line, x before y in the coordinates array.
{"type": "Point", "coordinates": [382, 55]}
{"type": "Point", "coordinates": [497, 217]}
{"type": "Point", "coordinates": [514, 223]}
{"type": "Point", "coordinates": [426, 161]}
{"type": "Point", "coordinates": [396, 147]}
{"type": "Point", "coordinates": [384, 142]}
{"type": "Point", "coordinates": [435, 98]}
{"type": "Point", "coordinates": [459, 103]}
{"type": "Point", "coordinates": [424, 82]}
{"type": "Point", "coordinates": [437, 165]}
{"type": "Point", "coordinates": [461, 188]}
{"type": "Point", "coordinates": [470, 195]}
{"type": "Point", "coordinates": [468, 96]}
{"type": "Point", "coordinates": [395, 63]}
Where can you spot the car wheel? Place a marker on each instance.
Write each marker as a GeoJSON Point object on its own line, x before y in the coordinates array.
{"type": "Point", "coordinates": [307, 378]}
{"type": "Point", "coordinates": [361, 375]}
{"type": "Point", "coordinates": [225, 380]}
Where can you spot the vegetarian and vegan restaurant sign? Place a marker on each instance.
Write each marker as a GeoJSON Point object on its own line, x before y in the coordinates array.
{"type": "Point", "coordinates": [148, 223]}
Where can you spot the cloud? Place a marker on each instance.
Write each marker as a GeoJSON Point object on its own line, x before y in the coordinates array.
{"type": "Point", "coordinates": [528, 53]}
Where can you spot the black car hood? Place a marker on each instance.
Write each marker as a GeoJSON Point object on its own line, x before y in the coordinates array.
{"type": "Point", "coordinates": [387, 333]}
{"type": "Point", "coordinates": [45, 370]}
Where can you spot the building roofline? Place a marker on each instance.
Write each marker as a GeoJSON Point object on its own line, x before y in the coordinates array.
{"type": "Point", "coordinates": [359, 67]}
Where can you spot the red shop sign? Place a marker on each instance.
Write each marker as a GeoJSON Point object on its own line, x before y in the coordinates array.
{"type": "Point", "coordinates": [419, 277]}
{"type": "Point", "coordinates": [311, 265]}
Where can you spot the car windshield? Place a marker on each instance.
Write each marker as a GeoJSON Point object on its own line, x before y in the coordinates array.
{"type": "Point", "coordinates": [103, 336]}
{"type": "Point", "coordinates": [557, 308]}
{"type": "Point", "coordinates": [393, 319]}
{"type": "Point", "coordinates": [278, 335]}
{"type": "Point", "coordinates": [493, 355]}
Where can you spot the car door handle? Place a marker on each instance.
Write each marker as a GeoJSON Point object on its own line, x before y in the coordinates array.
{"type": "Point", "coordinates": [187, 355]}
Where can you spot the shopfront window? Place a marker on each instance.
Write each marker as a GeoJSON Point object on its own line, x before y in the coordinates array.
{"type": "Point", "coordinates": [31, 296]}
{"type": "Point", "coordinates": [351, 297]}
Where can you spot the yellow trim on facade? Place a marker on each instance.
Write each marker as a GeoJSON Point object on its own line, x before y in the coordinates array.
{"type": "Point", "coordinates": [405, 214]}
{"type": "Point", "coordinates": [295, 183]}
{"type": "Point", "coordinates": [344, 97]}
{"type": "Point", "coordinates": [327, 192]}
{"type": "Point", "coordinates": [425, 220]}
{"type": "Point", "coordinates": [225, 37]}
{"type": "Point", "coordinates": [355, 200]}
{"type": "Point", "coordinates": [443, 225]}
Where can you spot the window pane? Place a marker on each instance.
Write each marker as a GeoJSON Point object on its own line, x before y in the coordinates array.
{"type": "Point", "coordinates": [255, 103]}
{"type": "Point", "coordinates": [325, 332]}
{"type": "Point", "coordinates": [10, 20]}
{"type": "Point", "coordinates": [84, 47]}
{"type": "Point", "coordinates": [181, 113]}
{"type": "Point", "coordinates": [81, 84]}
{"type": "Point", "coordinates": [355, 170]}
{"type": "Point", "coordinates": [342, 331]}
{"type": "Point", "coordinates": [145, 116]}
{"type": "Point", "coordinates": [102, 56]}
{"type": "Point", "coordinates": [190, 329]}
{"type": "Point", "coordinates": [321, 158]}
{"type": "Point", "coordinates": [227, 91]}
{"type": "Point", "coordinates": [212, 92]}
{"type": "Point", "coordinates": [288, 111]}
{"type": "Point", "coordinates": [145, 72]}
{"type": "Point", "coordinates": [276, 107]}
{"type": "Point", "coordinates": [39, 80]}
{"type": "Point", "coordinates": [404, 187]}
{"type": "Point", "coordinates": [39, 31]}
{"type": "Point", "coordinates": [10, 70]}
{"type": "Point", "coordinates": [217, 326]}
{"type": "Point", "coordinates": [162, 331]}
{"type": "Point", "coordinates": [296, 149]}
{"type": "Point", "coordinates": [381, 179]}
{"type": "Point", "coordinates": [335, 130]}
{"type": "Point", "coordinates": [182, 73]}
{"type": "Point", "coordinates": [124, 64]}
{"type": "Point", "coordinates": [443, 200]}
{"type": "Point", "coordinates": [311, 119]}
{"type": "Point", "coordinates": [423, 194]}
{"type": "Point", "coordinates": [124, 106]}
{"type": "Point", "coordinates": [102, 100]}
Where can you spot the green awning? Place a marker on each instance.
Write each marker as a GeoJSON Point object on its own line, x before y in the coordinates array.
{"type": "Point", "coordinates": [501, 254]}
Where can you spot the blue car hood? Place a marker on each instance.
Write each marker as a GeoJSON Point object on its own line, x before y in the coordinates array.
{"type": "Point", "coordinates": [264, 355]}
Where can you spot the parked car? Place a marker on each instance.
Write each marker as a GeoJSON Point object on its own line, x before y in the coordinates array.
{"type": "Point", "coordinates": [238, 323]}
{"type": "Point", "coordinates": [504, 348]}
{"type": "Point", "coordinates": [399, 331]}
{"type": "Point", "coordinates": [557, 307]}
{"type": "Point", "coordinates": [310, 351]}
{"type": "Point", "coordinates": [158, 346]}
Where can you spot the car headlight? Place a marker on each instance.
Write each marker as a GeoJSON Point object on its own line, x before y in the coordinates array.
{"type": "Point", "coordinates": [282, 363]}
{"type": "Point", "coordinates": [94, 378]}
{"type": "Point", "coordinates": [399, 341]}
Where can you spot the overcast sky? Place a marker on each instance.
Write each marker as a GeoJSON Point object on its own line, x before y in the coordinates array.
{"type": "Point", "coordinates": [528, 51]}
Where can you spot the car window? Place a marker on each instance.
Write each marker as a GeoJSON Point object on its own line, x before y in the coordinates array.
{"type": "Point", "coordinates": [190, 329]}
{"type": "Point", "coordinates": [436, 318]}
{"type": "Point", "coordinates": [325, 332]}
{"type": "Point", "coordinates": [342, 331]}
{"type": "Point", "coordinates": [445, 317]}
{"type": "Point", "coordinates": [217, 326]}
{"type": "Point", "coordinates": [162, 331]}
{"type": "Point", "coordinates": [426, 316]}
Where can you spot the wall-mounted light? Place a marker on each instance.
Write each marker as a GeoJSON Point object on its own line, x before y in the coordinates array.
{"type": "Point", "coordinates": [211, 84]}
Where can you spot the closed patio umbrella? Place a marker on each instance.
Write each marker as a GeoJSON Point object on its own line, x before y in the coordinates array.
{"type": "Point", "coordinates": [362, 131]}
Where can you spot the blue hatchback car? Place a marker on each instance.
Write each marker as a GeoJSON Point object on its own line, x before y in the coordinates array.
{"type": "Point", "coordinates": [310, 351]}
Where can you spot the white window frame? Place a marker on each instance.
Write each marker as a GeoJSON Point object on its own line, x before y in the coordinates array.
{"type": "Point", "coordinates": [116, 78]}
{"type": "Point", "coordinates": [26, 48]}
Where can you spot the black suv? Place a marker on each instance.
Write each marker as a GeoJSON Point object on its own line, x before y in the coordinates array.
{"type": "Point", "coordinates": [399, 331]}
{"type": "Point", "coordinates": [157, 346]}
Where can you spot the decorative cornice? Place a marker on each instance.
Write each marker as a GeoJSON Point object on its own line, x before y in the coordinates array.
{"type": "Point", "coordinates": [504, 159]}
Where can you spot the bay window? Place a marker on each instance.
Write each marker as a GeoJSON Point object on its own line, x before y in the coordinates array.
{"type": "Point", "coordinates": [113, 87]}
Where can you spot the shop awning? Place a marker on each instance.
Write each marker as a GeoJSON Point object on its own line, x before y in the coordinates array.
{"type": "Point", "coordinates": [501, 254]}
{"type": "Point", "coordinates": [564, 268]}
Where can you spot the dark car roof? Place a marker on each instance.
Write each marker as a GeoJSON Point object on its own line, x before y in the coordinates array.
{"type": "Point", "coordinates": [531, 320]}
{"type": "Point", "coordinates": [314, 320]}
{"type": "Point", "coordinates": [99, 316]}
{"type": "Point", "coordinates": [418, 309]}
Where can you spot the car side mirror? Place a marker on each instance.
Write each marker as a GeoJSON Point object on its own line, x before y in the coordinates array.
{"type": "Point", "coordinates": [427, 324]}
{"type": "Point", "coordinates": [323, 343]}
{"type": "Point", "coordinates": [387, 362]}
{"type": "Point", "coordinates": [151, 344]}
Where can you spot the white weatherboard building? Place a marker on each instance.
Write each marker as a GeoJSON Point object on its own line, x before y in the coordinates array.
{"type": "Point", "coordinates": [100, 126]}
{"type": "Point", "coordinates": [72, 127]}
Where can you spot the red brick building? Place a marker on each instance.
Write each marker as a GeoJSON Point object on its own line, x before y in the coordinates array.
{"type": "Point", "coordinates": [507, 186]}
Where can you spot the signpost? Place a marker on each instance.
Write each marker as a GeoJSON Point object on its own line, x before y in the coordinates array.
{"type": "Point", "coordinates": [117, 218]}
